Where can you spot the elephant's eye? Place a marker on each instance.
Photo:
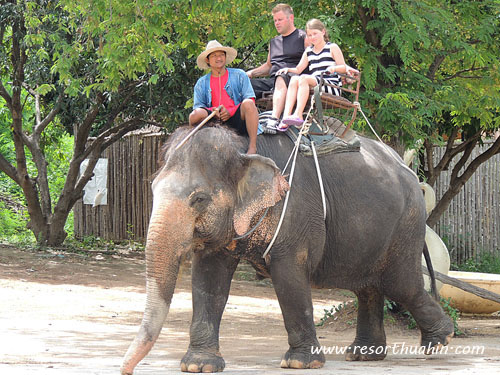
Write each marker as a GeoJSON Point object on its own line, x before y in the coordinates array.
{"type": "Point", "coordinates": [199, 200]}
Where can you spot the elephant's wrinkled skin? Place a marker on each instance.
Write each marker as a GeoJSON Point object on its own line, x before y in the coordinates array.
{"type": "Point", "coordinates": [207, 192]}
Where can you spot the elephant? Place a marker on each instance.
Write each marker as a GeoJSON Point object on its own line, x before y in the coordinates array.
{"type": "Point", "coordinates": [224, 206]}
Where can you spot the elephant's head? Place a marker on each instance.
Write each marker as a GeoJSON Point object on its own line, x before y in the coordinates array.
{"type": "Point", "coordinates": [204, 193]}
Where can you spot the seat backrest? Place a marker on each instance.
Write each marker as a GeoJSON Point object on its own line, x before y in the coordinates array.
{"type": "Point", "coordinates": [350, 85]}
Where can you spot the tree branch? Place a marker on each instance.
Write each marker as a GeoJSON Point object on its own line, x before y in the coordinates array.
{"type": "Point", "coordinates": [438, 60]}
{"type": "Point", "coordinates": [110, 136]}
{"type": "Point", "coordinates": [2, 33]}
{"type": "Point", "coordinates": [81, 135]}
{"type": "Point", "coordinates": [30, 90]}
{"type": "Point", "coordinates": [33, 143]}
{"type": "Point", "coordinates": [461, 147]}
{"type": "Point", "coordinates": [461, 162]}
{"type": "Point", "coordinates": [94, 151]}
{"type": "Point", "coordinates": [483, 293]}
{"type": "Point", "coordinates": [429, 151]}
{"type": "Point", "coordinates": [474, 165]}
{"type": "Point", "coordinates": [4, 94]}
{"type": "Point", "coordinates": [123, 104]}
{"type": "Point", "coordinates": [9, 169]}
{"type": "Point", "coordinates": [457, 182]}
{"type": "Point", "coordinates": [459, 74]}
{"type": "Point", "coordinates": [40, 127]}
{"type": "Point", "coordinates": [434, 171]}
{"type": "Point", "coordinates": [86, 176]}
{"type": "Point", "coordinates": [129, 126]}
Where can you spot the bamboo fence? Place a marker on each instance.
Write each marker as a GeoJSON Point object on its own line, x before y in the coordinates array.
{"type": "Point", "coordinates": [470, 227]}
{"type": "Point", "coordinates": [131, 163]}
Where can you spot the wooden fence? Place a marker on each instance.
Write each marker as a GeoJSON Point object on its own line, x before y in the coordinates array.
{"type": "Point", "coordinates": [131, 163]}
{"type": "Point", "coordinates": [471, 225]}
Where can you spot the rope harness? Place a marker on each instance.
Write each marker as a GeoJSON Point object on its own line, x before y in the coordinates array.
{"type": "Point", "coordinates": [386, 147]}
{"type": "Point", "coordinates": [303, 131]}
{"type": "Point", "coordinates": [293, 155]}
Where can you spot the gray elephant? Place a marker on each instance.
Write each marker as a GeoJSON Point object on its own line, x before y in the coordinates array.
{"type": "Point", "coordinates": [207, 193]}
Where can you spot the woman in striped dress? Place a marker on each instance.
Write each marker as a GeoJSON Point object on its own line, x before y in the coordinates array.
{"type": "Point", "coordinates": [322, 56]}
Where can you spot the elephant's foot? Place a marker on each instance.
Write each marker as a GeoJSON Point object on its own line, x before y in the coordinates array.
{"type": "Point", "coordinates": [365, 352]}
{"type": "Point", "coordinates": [199, 361]}
{"type": "Point", "coordinates": [295, 358]}
{"type": "Point", "coordinates": [441, 336]}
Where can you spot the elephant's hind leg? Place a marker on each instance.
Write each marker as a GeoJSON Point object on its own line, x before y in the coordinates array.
{"type": "Point", "coordinates": [211, 281]}
{"type": "Point", "coordinates": [370, 341]}
{"type": "Point", "coordinates": [435, 326]}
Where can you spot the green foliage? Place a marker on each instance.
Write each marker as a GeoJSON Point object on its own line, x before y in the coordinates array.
{"type": "Point", "coordinates": [392, 309]}
{"type": "Point", "coordinates": [412, 323]}
{"type": "Point", "coordinates": [422, 59]}
{"type": "Point", "coordinates": [453, 313]}
{"type": "Point", "coordinates": [487, 263]}
{"type": "Point", "coordinates": [13, 224]}
{"type": "Point", "coordinates": [88, 246]}
{"type": "Point", "coordinates": [9, 222]}
{"type": "Point", "coordinates": [388, 307]}
{"type": "Point", "coordinates": [58, 151]}
{"type": "Point", "coordinates": [330, 313]}
{"type": "Point", "coordinates": [428, 67]}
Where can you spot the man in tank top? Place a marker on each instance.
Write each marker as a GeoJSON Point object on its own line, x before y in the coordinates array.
{"type": "Point", "coordinates": [285, 51]}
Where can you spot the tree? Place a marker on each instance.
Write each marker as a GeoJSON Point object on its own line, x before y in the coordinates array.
{"type": "Point", "coordinates": [97, 70]}
{"type": "Point", "coordinates": [431, 74]}
{"type": "Point", "coordinates": [50, 64]}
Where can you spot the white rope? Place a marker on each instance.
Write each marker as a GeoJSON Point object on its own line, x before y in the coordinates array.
{"type": "Point", "coordinates": [295, 151]}
{"type": "Point", "coordinates": [320, 179]}
{"type": "Point", "coordinates": [305, 130]}
{"type": "Point", "coordinates": [386, 147]}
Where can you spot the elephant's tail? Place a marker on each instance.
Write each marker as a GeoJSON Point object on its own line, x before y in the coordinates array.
{"type": "Point", "coordinates": [428, 262]}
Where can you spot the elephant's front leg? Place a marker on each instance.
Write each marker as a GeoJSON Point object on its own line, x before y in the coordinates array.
{"type": "Point", "coordinates": [294, 295]}
{"type": "Point", "coordinates": [211, 281]}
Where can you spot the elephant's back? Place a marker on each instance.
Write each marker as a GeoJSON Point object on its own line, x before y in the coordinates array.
{"type": "Point", "coordinates": [375, 170]}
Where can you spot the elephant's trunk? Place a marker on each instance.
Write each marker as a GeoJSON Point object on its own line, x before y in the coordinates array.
{"type": "Point", "coordinates": [169, 237]}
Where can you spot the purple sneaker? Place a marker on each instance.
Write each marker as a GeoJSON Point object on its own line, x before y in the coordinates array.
{"type": "Point", "coordinates": [293, 121]}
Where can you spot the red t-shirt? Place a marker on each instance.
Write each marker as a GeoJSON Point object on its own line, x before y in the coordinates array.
{"type": "Point", "coordinates": [220, 96]}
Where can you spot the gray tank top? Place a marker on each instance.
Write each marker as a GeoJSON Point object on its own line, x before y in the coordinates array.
{"type": "Point", "coordinates": [285, 52]}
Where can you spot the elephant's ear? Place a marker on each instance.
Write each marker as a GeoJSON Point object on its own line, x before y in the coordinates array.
{"type": "Point", "coordinates": [261, 186]}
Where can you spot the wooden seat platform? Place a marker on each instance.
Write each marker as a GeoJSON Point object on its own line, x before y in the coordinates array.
{"type": "Point", "coordinates": [344, 107]}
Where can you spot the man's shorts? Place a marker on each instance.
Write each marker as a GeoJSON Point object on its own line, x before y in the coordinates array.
{"type": "Point", "coordinates": [235, 121]}
{"type": "Point", "coordinates": [261, 85]}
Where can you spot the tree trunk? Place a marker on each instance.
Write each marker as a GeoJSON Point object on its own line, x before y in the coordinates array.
{"type": "Point", "coordinates": [443, 204]}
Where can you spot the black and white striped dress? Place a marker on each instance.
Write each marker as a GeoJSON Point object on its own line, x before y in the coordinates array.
{"type": "Point", "coordinates": [318, 62]}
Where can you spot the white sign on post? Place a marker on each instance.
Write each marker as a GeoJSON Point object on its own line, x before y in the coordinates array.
{"type": "Point", "coordinates": [96, 190]}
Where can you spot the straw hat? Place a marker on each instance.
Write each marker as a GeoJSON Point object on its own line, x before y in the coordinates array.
{"type": "Point", "coordinates": [213, 46]}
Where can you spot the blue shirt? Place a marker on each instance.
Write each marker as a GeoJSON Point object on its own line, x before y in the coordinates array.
{"type": "Point", "coordinates": [238, 87]}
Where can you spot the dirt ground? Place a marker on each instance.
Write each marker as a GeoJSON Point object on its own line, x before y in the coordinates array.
{"type": "Point", "coordinates": [67, 313]}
